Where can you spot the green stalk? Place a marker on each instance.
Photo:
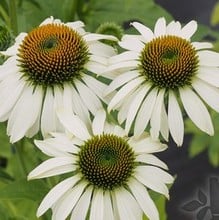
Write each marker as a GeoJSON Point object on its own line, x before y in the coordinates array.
{"type": "Point", "coordinates": [13, 16]}
{"type": "Point", "coordinates": [20, 155]}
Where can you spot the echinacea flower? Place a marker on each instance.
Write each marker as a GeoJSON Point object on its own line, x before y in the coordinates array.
{"type": "Point", "coordinates": [161, 71]}
{"type": "Point", "coordinates": [53, 65]}
{"type": "Point", "coordinates": [109, 172]}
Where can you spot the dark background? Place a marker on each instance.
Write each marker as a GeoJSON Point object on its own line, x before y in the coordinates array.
{"type": "Point", "coordinates": [194, 176]}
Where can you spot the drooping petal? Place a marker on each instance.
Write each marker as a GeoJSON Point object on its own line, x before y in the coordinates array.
{"type": "Point", "coordinates": [64, 205]}
{"type": "Point", "coordinates": [120, 80]}
{"type": "Point", "coordinates": [155, 121]}
{"type": "Point", "coordinates": [124, 92]}
{"type": "Point", "coordinates": [108, 206]}
{"type": "Point", "coordinates": [98, 122]}
{"type": "Point", "coordinates": [92, 102]}
{"type": "Point", "coordinates": [209, 75]}
{"type": "Point", "coordinates": [24, 113]}
{"type": "Point", "coordinates": [175, 119]}
{"type": "Point", "coordinates": [128, 207]}
{"type": "Point", "coordinates": [134, 106]}
{"type": "Point", "coordinates": [207, 92]}
{"type": "Point", "coordinates": [73, 124]}
{"type": "Point", "coordinates": [154, 178]}
{"type": "Point", "coordinates": [132, 44]}
{"type": "Point", "coordinates": [97, 206]}
{"type": "Point", "coordinates": [145, 112]}
{"type": "Point", "coordinates": [196, 110]}
{"type": "Point", "coordinates": [81, 209]}
{"type": "Point", "coordinates": [144, 200]}
{"type": "Point", "coordinates": [48, 118]}
{"type": "Point", "coordinates": [55, 193]}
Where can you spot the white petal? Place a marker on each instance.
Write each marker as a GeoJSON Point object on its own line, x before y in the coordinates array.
{"type": "Point", "coordinates": [201, 45]}
{"type": "Point", "coordinates": [120, 80]}
{"type": "Point", "coordinates": [98, 59]}
{"type": "Point", "coordinates": [124, 92]}
{"type": "Point", "coordinates": [127, 206]}
{"type": "Point", "coordinates": [173, 28]}
{"type": "Point", "coordinates": [144, 200]}
{"type": "Point", "coordinates": [92, 102]}
{"type": "Point", "coordinates": [175, 119]}
{"type": "Point", "coordinates": [196, 110]}
{"type": "Point", "coordinates": [24, 113]}
{"type": "Point", "coordinates": [64, 205]}
{"type": "Point", "coordinates": [101, 49]}
{"type": "Point", "coordinates": [94, 67]}
{"type": "Point", "coordinates": [95, 85]}
{"type": "Point", "coordinates": [52, 167]}
{"type": "Point", "coordinates": [164, 129]}
{"type": "Point", "coordinates": [208, 58]}
{"type": "Point", "coordinates": [207, 92]}
{"type": "Point", "coordinates": [73, 124]}
{"type": "Point", "coordinates": [154, 178]}
{"type": "Point", "coordinates": [95, 37]}
{"type": "Point", "coordinates": [209, 75]}
{"type": "Point", "coordinates": [123, 113]}
{"type": "Point", "coordinates": [151, 159]}
{"type": "Point", "coordinates": [56, 146]}
{"type": "Point", "coordinates": [156, 115]}
{"type": "Point", "coordinates": [97, 206]}
{"type": "Point", "coordinates": [82, 207]}
{"type": "Point", "coordinates": [10, 67]}
{"type": "Point", "coordinates": [10, 90]}
{"type": "Point", "coordinates": [125, 56]}
{"type": "Point", "coordinates": [79, 107]}
{"type": "Point", "coordinates": [55, 193]}
{"type": "Point", "coordinates": [75, 25]}
{"type": "Point", "coordinates": [98, 122]}
{"type": "Point", "coordinates": [108, 206]}
{"type": "Point", "coordinates": [146, 145]}
{"type": "Point", "coordinates": [134, 106]}
{"type": "Point", "coordinates": [146, 32]}
{"type": "Point", "coordinates": [132, 44]}
{"type": "Point", "coordinates": [188, 30]}
{"type": "Point", "coordinates": [145, 112]}
{"type": "Point", "coordinates": [123, 66]}
{"type": "Point", "coordinates": [48, 117]}
{"type": "Point", "coordinates": [160, 27]}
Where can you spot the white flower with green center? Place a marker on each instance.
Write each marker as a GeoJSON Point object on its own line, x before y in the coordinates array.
{"type": "Point", "coordinates": [159, 72]}
{"type": "Point", "coordinates": [109, 172]}
{"type": "Point", "coordinates": [53, 65]}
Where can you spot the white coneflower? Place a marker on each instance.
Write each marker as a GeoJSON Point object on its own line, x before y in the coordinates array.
{"type": "Point", "coordinates": [109, 172]}
{"type": "Point", "coordinates": [53, 65]}
{"type": "Point", "coordinates": [159, 69]}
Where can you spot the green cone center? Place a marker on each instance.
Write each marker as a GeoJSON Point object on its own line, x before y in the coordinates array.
{"type": "Point", "coordinates": [169, 62]}
{"type": "Point", "coordinates": [106, 161]}
{"type": "Point", "coordinates": [52, 54]}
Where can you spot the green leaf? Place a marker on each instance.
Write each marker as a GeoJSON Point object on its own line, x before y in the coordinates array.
{"type": "Point", "coordinates": [198, 144]}
{"type": "Point", "coordinates": [23, 189]}
{"type": "Point", "coordinates": [5, 177]}
{"type": "Point", "coordinates": [106, 10]}
{"type": "Point", "coordinates": [215, 15]}
{"type": "Point", "coordinates": [213, 156]}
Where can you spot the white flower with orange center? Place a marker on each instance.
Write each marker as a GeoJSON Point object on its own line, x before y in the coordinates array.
{"type": "Point", "coordinates": [53, 65]}
{"type": "Point", "coordinates": [160, 72]}
{"type": "Point", "coordinates": [109, 172]}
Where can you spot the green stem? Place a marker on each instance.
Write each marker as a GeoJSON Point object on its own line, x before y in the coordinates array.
{"type": "Point", "coordinates": [13, 16]}
{"type": "Point", "coordinates": [20, 154]}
